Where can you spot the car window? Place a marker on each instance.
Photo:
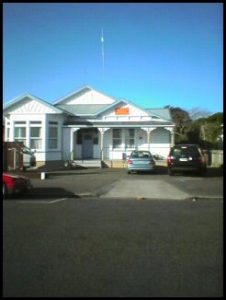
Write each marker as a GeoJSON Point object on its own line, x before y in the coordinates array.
{"type": "Point", "coordinates": [141, 154]}
{"type": "Point", "coordinates": [185, 151]}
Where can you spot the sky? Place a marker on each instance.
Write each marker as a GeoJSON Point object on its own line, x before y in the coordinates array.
{"type": "Point", "coordinates": [152, 54]}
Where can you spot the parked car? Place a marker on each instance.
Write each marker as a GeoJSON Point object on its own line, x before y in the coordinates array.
{"type": "Point", "coordinates": [29, 159]}
{"type": "Point", "coordinates": [140, 161]}
{"type": "Point", "coordinates": [186, 157]}
{"type": "Point", "coordinates": [15, 184]}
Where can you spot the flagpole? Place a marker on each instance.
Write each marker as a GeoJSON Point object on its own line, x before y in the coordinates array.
{"type": "Point", "coordinates": [102, 42]}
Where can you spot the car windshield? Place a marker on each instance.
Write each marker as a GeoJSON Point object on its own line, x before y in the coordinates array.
{"type": "Point", "coordinates": [26, 150]}
{"type": "Point", "coordinates": [141, 154]}
{"type": "Point", "coordinates": [185, 151]}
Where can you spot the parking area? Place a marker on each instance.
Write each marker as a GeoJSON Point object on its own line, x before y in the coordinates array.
{"type": "Point", "coordinates": [116, 183]}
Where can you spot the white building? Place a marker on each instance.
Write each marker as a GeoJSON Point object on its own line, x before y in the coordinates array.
{"type": "Point", "coordinates": [86, 125]}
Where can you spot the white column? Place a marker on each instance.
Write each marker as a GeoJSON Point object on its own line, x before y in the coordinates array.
{"type": "Point", "coordinates": [73, 130]}
{"type": "Point", "coordinates": [11, 135]}
{"type": "Point", "coordinates": [148, 130]}
{"type": "Point", "coordinates": [45, 133]}
{"type": "Point", "coordinates": [172, 135]}
{"type": "Point", "coordinates": [28, 134]}
{"type": "Point", "coordinates": [102, 131]}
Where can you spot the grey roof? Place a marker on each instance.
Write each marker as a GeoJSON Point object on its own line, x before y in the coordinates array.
{"type": "Point", "coordinates": [163, 113]}
{"type": "Point", "coordinates": [83, 109]}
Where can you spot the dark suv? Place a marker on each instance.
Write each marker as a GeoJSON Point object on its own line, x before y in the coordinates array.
{"type": "Point", "coordinates": [186, 157]}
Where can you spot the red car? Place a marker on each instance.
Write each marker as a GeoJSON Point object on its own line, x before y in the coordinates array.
{"type": "Point", "coordinates": [15, 184]}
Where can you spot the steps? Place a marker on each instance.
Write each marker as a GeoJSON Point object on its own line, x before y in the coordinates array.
{"type": "Point", "coordinates": [88, 163]}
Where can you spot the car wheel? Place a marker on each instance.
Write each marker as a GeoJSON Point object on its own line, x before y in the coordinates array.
{"type": "Point", "coordinates": [129, 172]}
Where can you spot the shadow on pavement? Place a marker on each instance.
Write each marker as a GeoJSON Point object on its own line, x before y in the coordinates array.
{"type": "Point", "coordinates": [214, 172]}
{"type": "Point", "coordinates": [39, 193]}
{"type": "Point", "coordinates": [211, 172]}
{"type": "Point", "coordinates": [50, 174]}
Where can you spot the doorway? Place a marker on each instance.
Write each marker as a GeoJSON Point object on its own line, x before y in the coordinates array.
{"type": "Point", "coordinates": [87, 146]}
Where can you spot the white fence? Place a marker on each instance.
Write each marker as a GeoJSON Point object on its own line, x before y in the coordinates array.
{"type": "Point", "coordinates": [216, 158]}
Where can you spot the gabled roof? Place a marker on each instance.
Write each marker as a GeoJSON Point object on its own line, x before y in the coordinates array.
{"type": "Point", "coordinates": [83, 110]}
{"type": "Point", "coordinates": [155, 113]}
{"type": "Point", "coordinates": [79, 92]}
{"type": "Point", "coordinates": [91, 110]}
{"type": "Point", "coordinates": [162, 113]}
{"type": "Point", "coordinates": [27, 95]}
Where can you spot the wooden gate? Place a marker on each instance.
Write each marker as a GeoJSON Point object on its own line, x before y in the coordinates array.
{"type": "Point", "coordinates": [12, 156]}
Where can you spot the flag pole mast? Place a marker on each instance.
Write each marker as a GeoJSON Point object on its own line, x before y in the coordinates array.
{"type": "Point", "coordinates": [102, 42]}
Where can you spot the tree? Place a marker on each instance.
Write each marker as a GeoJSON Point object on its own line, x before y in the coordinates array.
{"type": "Point", "coordinates": [211, 130]}
{"type": "Point", "coordinates": [207, 131]}
{"type": "Point", "coordinates": [182, 122]}
{"type": "Point", "coordinates": [198, 127]}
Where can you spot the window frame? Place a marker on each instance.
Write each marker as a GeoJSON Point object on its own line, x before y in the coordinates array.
{"type": "Point", "coordinates": [20, 125]}
{"type": "Point", "coordinates": [36, 138]}
{"type": "Point", "coordinates": [53, 125]}
{"type": "Point", "coordinates": [115, 139]}
{"type": "Point", "coordinates": [129, 138]}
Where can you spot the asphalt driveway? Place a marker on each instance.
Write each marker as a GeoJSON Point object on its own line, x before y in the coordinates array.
{"type": "Point", "coordinates": [116, 183]}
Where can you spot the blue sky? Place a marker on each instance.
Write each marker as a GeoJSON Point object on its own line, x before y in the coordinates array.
{"type": "Point", "coordinates": [154, 54]}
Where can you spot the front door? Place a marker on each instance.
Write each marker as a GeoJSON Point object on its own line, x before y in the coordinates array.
{"type": "Point", "coordinates": [87, 146]}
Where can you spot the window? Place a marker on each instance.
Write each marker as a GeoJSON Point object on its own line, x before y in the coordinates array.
{"type": "Point", "coordinates": [53, 135]}
{"type": "Point", "coordinates": [7, 133]}
{"type": "Point", "coordinates": [79, 137]}
{"type": "Point", "coordinates": [35, 122]}
{"type": "Point", "coordinates": [17, 123]}
{"type": "Point", "coordinates": [20, 134]}
{"type": "Point", "coordinates": [35, 138]}
{"type": "Point", "coordinates": [95, 138]}
{"type": "Point", "coordinates": [116, 138]}
{"type": "Point", "coordinates": [130, 138]}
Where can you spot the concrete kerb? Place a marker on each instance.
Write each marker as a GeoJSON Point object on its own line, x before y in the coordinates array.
{"type": "Point", "coordinates": [191, 198]}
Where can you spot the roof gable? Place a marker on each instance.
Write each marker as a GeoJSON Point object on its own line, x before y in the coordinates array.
{"type": "Point", "coordinates": [85, 96]}
{"type": "Point", "coordinates": [123, 108]}
{"type": "Point", "coordinates": [160, 113]}
{"type": "Point", "coordinates": [27, 104]}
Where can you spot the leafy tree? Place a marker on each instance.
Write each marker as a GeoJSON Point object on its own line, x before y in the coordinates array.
{"type": "Point", "coordinates": [211, 129]}
{"type": "Point", "coordinates": [204, 130]}
{"type": "Point", "coordinates": [182, 122]}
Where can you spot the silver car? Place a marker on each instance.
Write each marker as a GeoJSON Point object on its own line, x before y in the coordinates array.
{"type": "Point", "coordinates": [140, 161]}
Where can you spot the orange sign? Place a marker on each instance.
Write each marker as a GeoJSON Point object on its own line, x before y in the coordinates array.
{"type": "Point", "coordinates": [122, 111]}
